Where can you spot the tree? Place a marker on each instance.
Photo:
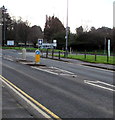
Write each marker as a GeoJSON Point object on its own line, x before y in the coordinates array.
{"type": "Point", "coordinates": [93, 39]}
{"type": "Point", "coordinates": [21, 31]}
{"type": "Point", "coordinates": [35, 34]}
{"type": "Point", "coordinates": [79, 30]}
{"type": "Point", "coordinates": [5, 18]}
{"type": "Point", "coordinates": [60, 37]}
{"type": "Point", "coordinates": [52, 26]}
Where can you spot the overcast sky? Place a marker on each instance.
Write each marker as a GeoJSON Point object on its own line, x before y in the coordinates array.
{"type": "Point", "coordinates": [89, 13]}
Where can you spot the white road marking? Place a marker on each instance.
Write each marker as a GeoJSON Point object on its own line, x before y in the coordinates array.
{"type": "Point", "coordinates": [45, 70]}
{"type": "Point", "coordinates": [57, 71]}
{"type": "Point", "coordinates": [96, 83]}
{"type": "Point", "coordinates": [8, 58]}
{"type": "Point", "coordinates": [68, 75]}
{"type": "Point", "coordinates": [62, 70]}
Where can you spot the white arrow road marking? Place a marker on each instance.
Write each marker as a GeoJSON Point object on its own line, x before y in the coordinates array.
{"type": "Point", "coordinates": [103, 84]}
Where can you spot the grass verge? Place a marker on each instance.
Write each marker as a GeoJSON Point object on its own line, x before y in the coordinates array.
{"type": "Point", "coordinates": [91, 58]}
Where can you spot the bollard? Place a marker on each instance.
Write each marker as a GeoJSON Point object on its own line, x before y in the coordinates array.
{"type": "Point", "coordinates": [47, 53]}
{"type": "Point", "coordinates": [85, 55]}
{"type": "Point", "coordinates": [37, 57]}
{"type": "Point", "coordinates": [59, 55]}
{"type": "Point", "coordinates": [107, 57]}
{"type": "Point", "coordinates": [24, 54]}
{"type": "Point", "coordinates": [52, 53]}
{"type": "Point", "coordinates": [95, 55]}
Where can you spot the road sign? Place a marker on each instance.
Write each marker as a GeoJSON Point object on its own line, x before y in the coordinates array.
{"type": "Point", "coordinates": [10, 42]}
{"type": "Point", "coordinates": [37, 52]}
{"type": "Point", "coordinates": [55, 43]}
{"type": "Point", "coordinates": [40, 41]}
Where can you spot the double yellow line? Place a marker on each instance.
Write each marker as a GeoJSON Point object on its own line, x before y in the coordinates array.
{"type": "Point", "coordinates": [31, 99]}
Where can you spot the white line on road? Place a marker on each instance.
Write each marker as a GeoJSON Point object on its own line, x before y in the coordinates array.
{"type": "Point", "coordinates": [63, 70]}
{"type": "Point", "coordinates": [57, 71]}
{"type": "Point", "coordinates": [45, 70]}
{"type": "Point", "coordinates": [29, 102]}
{"type": "Point", "coordinates": [96, 83]}
{"type": "Point", "coordinates": [8, 58]}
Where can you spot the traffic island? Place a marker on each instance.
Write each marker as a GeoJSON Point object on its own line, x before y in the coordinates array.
{"type": "Point", "coordinates": [30, 63]}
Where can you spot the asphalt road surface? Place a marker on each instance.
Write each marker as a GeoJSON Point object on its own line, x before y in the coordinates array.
{"type": "Point", "coordinates": [80, 92]}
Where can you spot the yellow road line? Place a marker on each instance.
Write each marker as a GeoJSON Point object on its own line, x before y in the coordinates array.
{"type": "Point", "coordinates": [33, 100]}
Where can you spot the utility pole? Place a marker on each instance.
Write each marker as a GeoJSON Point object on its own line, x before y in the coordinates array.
{"type": "Point", "coordinates": [0, 28]}
{"type": "Point", "coordinates": [67, 32]}
{"type": "Point", "coordinates": [4, 25]}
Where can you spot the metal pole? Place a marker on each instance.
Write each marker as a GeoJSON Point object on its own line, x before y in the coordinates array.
{"type": "Point", "coordinates": [109, 48]}
{"type": "Point", "coordinates": [4, 35]}
{"type": "Point", "coordinates": [4, 25]}
{"type": "Point", "coordinates": [105, 46]}
{"type": "Point", "coordinates": [67, 31]}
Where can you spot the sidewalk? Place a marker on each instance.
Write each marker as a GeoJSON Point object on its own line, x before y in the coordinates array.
{"type": "Point", "coordinates": [11, 108]}
{"type": "Point", "coordinates": [98, 65]}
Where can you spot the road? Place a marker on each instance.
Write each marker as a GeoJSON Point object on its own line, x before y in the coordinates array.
{"type": "Point", "coordinates": [80, 92]}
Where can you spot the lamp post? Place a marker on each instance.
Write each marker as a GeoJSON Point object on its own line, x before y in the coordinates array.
{"type": "Point", "coordinates": [67, 32]}
{"type": "Point", "coordinates": [4, 24]}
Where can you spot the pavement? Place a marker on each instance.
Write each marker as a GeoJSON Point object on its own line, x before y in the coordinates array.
{"type": "Point", "coordinates": [97, 65]}
{"type": "Point", "coordinates": [11, 107]}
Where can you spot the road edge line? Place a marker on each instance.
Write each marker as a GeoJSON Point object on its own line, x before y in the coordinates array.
{"type": "Point", "coordinates": [30, 98]}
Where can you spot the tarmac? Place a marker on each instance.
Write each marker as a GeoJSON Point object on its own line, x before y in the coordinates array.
{"type": "Point", "coordinates": [11, 105]}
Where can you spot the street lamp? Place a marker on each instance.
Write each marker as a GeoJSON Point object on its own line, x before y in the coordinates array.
{"type": "Point", "coordinates": [67, 30]}
{"type": "Point", "coordinates": [4, 24]}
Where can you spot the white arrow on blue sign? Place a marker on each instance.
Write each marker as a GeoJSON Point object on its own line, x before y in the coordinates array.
{"type": "Point", "coordinates": [37, 52]}
{"type": "Point", "coordinates": [40, 41]}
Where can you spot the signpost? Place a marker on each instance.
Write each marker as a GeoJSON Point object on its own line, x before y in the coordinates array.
{"type": "Point", "coordinates": [40, 41]}
{"type": "Point", "coordinates": [109, 48]}
{"type": "Point", "coordinates": [37, 56]}
{"type": "Point", "coordinates": [10, 42]}
{"type": "Point", "coordinates": [55, 43]}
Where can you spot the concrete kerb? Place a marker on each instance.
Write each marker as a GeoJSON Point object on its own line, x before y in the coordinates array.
{"type": "Point", "coordinates": [85, 64]}
{"type": "Point", "coordinates": [106, 68]}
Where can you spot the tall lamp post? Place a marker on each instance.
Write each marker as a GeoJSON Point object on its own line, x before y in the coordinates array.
{"type": "Point", "coordinates": [4, 24]}
{"type": "Point", "coordinates": [67, 32]}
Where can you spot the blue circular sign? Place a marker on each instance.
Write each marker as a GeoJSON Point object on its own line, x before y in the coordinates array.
{"type": "Point", "coordinates": [37, 52]}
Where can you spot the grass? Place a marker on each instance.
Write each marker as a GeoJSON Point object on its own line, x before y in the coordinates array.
{"type": "Point", "coordinates": [31, 49]}
{"type": "Point", "coordinates": [91, 58]}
